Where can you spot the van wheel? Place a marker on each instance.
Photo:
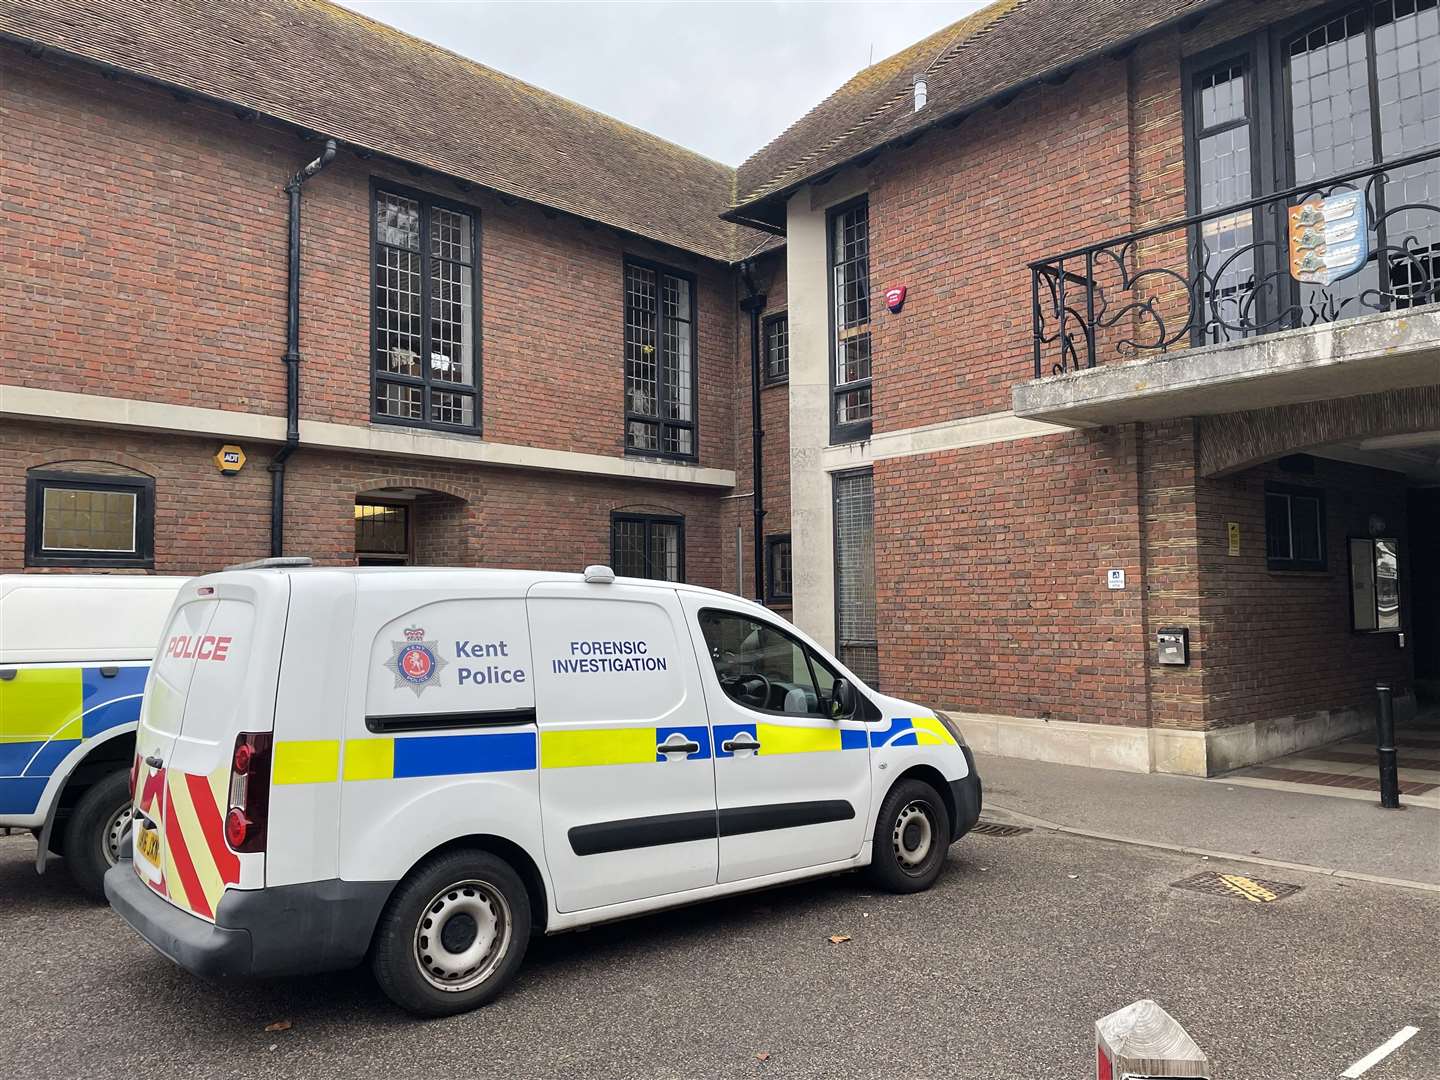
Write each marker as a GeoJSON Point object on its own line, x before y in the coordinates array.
{"type": "Point", "coordinates": [453, 935]}
{"type": "Point", "coordinates": [912, 835]}
{"type": "Point", "coordinates": [92, 835]}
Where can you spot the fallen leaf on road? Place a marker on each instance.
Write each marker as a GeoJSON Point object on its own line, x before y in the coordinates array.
{"type": "Point", "coordinates": [763, 1055]}
{"type": "Point", "coordinates": [836, 939]}
{"type": "Point", "coordinates": [1072, 877]}
{"type": "Point", "coordinates": [278, 1025]}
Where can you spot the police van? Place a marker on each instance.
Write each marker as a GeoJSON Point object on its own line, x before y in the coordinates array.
{"type": "Point", "coordinates": [74, 653]}
{"type": "Point", "coordinates": [423, 767]}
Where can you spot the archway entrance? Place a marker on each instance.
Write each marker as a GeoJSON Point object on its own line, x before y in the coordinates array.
{"type": "Point", "coordinates": [411, 526]}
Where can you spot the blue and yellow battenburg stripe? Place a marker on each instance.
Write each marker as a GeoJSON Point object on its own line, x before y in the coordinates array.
{"type": "Point", "coordinates": [789, 739]}
{"type": "Point", "coordinates": [400, 756]}
{"type": "Point", "coordinates": [46, 712]}
{"type": "Point", "coordinates": [912, 731]}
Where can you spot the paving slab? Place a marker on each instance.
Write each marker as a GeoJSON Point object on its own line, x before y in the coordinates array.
{"type": "Point", "coordinates": [1354, 835]}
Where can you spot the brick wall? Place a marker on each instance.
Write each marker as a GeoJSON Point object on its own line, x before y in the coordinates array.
{"type": "Point", "coordinates": [143, 242]}
{"type": "Point", "coordinates": [957, 218]}
{"type": "Point", "coordinates": [203, 520]}
{"type": "Point", "coordinates": [991, 578]}
{"type": "Point", "coordinates": [1278, 643]}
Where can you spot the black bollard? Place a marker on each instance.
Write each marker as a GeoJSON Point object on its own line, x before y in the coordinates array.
{"type": "Point", "coordinates": [1385, 748]}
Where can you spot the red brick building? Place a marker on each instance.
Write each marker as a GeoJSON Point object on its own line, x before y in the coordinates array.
{"type": "Point", "coordinates": [1115, 402]}
{"type": "Point", "coordinates": [568, 278]}
{"type": "Point", "coordinates": [1112, 425]}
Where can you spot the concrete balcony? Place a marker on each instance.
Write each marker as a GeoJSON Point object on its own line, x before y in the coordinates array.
{"type": "Point", "coordinates": [1364, 355]}
{"type": "Point", "coordinates": [1311, 294]}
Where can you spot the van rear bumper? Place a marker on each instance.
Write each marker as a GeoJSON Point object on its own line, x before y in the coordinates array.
{"type": "Point", "coordinates": [286, 930]}
{"type": "Point", "coordinates": [965, 793]}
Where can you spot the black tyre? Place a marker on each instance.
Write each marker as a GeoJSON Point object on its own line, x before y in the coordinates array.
{"type": "Point", "coordinates": [92, 835]}
{"type": "Point", "coordinates": [912, 835]}
{"type": "Point", "coordinates": [453, 934]}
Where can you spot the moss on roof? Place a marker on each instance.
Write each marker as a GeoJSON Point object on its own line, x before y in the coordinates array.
{"type": "Point", "coordinates": [341, 74]}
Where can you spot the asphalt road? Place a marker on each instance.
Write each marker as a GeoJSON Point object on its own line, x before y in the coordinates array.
{"type": "Point", "coordinates": [1000, 971]}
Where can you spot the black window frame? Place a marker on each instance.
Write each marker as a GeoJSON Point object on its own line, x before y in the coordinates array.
{"type": "Point", "coordinates": [772, 545]}
{"type": "Point", "coordinates": [649, 520]}
{"type": "Point", "coordinates": [767, 327]}
{"type": "Point", "coordinates": [1254, 55]}
{"type": "Point", "coordinates": [856, 430]}
{"type": "Point", "coordinates": [693, 424]}
{"type": "Point", "coordinates": [384, 558]}
{"type": "Point", "coordinates": [1273, 137]}
{"type": "Point", "coordinates": [1290, 492]}
{"type": "Point", "coordinates": [426, 381]}
{"type": "Point", "coordinates": [37, 482]}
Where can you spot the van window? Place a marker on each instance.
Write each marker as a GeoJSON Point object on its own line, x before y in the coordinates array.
{"type": "Point", "coordinates": [453, 663]}
{"type": "Point", "coordinates": [761, 667]}
{"type": "Point", "coordinates": [218, 659]}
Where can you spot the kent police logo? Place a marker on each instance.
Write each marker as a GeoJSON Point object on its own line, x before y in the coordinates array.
{"type": "Point", "coordinates": [415, 662]}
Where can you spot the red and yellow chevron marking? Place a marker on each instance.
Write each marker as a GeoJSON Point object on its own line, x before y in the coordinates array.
{"type": "Point", "coordinates": [198, 863]}
{"type": "Point", "coordinates": [150, 801]}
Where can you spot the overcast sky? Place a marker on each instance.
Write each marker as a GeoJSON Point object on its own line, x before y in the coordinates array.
{"type": "Point", "coordinates": [721, 78]}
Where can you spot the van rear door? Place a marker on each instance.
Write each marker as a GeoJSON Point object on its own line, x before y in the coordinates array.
{"type": "Point", "coordinates": [213, 679]}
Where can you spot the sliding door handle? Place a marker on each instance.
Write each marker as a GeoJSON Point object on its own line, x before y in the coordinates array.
{"type": "Point", "coordinates": [745, 742]}
{"type": "Point", "coordinates": [671, 747]}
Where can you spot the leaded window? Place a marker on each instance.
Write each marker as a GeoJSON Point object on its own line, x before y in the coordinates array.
{"type": "Point", "coordinates": [382, 533]}
{"type": "Point", "coordinates": [777, 348]}
{"type": "Point", "coordinates": [1309, 99]}
{"type": "Point", "coordinates": [1224, 172]}
{"type": "Point", "coordinates": [660, 369]}
{"type": "Point", "coordinates": [852, 404]}
{"type": "Point", "coordinates": [424, 312]}
{"type": "Point", "coordinates": [79, 520]}
{"type": "Point", "coordinates": [648, 546]}
{"type": "Point", "coordinates": [779, 573]}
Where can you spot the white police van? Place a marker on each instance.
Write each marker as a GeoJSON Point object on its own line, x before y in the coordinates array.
{"type": "Point", "coordinates": [74, 653]}
{"type": "Point", "coordinates": [425, 766]}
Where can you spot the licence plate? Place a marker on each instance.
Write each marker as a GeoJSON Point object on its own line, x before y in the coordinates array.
{"type": "Point", "coordinates": [147, 843]}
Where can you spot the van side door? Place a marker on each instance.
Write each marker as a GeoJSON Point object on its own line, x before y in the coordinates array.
{"type": "Point", "coordinates": [627, 784]}
{"type": "Point", "coordinates": [792, 780]}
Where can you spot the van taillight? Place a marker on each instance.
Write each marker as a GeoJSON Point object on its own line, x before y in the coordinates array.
{"type": "Point", "coordinates": [134, 776]}
{"type": "Point", "coordinates": [249, 792]}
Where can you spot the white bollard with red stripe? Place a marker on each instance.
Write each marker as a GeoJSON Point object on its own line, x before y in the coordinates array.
{"type": "Point", "coordinates": [1143, 1041]}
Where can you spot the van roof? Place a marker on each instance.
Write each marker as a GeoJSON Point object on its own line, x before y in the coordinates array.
{"type": "Point", "coordinates": [90, 581]}
{"type": "Point", "coordinates": [497, 576]}
{"type": "Point", "coordinates": [82, 618]}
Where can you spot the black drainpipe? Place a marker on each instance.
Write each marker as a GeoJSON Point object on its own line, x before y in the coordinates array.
{"type": "Point", "coordinates": [292, 354]}
{"type": "Point", "coordinates": [754, 303]}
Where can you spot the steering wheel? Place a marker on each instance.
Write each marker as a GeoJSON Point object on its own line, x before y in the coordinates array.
{"type": "Point", "coordinates": [748, 693]}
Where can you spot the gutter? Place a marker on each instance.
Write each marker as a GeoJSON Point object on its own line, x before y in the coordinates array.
{"type": "Point", "coordinates": [754, 304]}
{"type": "Point", "coordinates": [292, 352]}
{"type": "Point", "coordinates": [45, 50]}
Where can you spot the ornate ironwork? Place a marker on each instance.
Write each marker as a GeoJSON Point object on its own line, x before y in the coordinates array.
{"type": "Point", "coordinates": [1225, 275]}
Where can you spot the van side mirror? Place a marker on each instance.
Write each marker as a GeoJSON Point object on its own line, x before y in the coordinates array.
{"type": "Point", "coordinates": [842, 699]}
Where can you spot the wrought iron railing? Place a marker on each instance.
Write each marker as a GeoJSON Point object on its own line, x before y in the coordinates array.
{"type": "Point", "coordinates": [1225, 274]}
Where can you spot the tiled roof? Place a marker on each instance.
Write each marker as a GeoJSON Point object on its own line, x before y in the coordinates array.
{"type": "Point", "coordinates": [345, 76]}
{"type": "Point", "coordinates": [998, 48]}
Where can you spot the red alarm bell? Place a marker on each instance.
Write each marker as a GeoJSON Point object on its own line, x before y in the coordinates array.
{"type": "Point", "coordinates": [895, 297]}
